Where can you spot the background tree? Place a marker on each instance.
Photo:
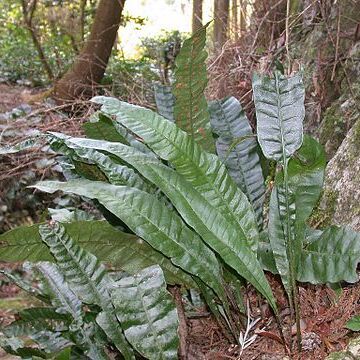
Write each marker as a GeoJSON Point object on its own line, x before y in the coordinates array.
{"type": "Point", "coordinates": [243, 5]}
{"type": "Point", "coordinates": [197, 15]}
{"type": "Point", "coordinates": [235, 18]}
{"type": "Point", "coordinates": [28, 9]}
{"type": "Point", "coordinates": [89, 66]}
{"type": "Point", "coordinates": [221, 19]}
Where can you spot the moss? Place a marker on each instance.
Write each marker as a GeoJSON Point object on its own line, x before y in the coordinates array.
{"type": "Point", "coordinates": [13, 304]}
{"type": "Point", "coordinates": [352, 352]}
{"type": "Point", "coordinates": [324, 211]}
{"type": "Point", "coordinates": [341, 355]}
{"type": "Point", "coordinates": [333, 129]}
{"type": "Point", "coordinates": [356, 134]}
{"type": "Point", "coordinates": [354, 347]}
{"type": "Point", "coordinates": [353, 151]}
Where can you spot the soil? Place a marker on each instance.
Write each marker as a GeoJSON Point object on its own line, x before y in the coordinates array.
{"type": "Point", "coordinates": [10, 96]}
{"type": "Point", "coordinates": [324, 315]}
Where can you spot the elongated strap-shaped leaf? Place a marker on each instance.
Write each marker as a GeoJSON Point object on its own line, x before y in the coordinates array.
{"type": "Point", "coordinates": [102, 127]}
{"type": "Point", "coordinates": [64, 298]}
{"type": "Point", "coordinates": [91, 342]}
{"type": "Point", "coordinates": [203, 170]}
{"type": "Point", "coordinates": [306, 176]}
{"type": "Point", "coordinates": [43, 313]}
{"type": "Point", "coordinates": [96, 166]}
{"type": "Point", "coordinates": [117, 174]}
{"type": "Point", "coordinates": [41, 319]}
{"type": "Point", "coordinates": [16, 346]}
{"type": "Point", "coordinates": [212, 226]}
{"type": "Point", "coordinates": [52, 342]}
{"type": "Point", "coordinates": [22, 328]}
{"type": "Point", "coordinates": [71, 167]}
{"type": "Point", "coordinates": [205, 173]}
{"type": "Point", "coordinates": [279, 235]}
{"type": "Point", "coordinates": [122, 250]}
{"type": "Point", "coordinates": [24, 284]}
{"type": "Point", "coordinates": [165, 101]}
{"type": "Point", "coordinates": [20, 146]}
{"type": "Point", "coordinates": [148, 314]}
{"type": "Point", "coordinates": [87, 277]}
{"type": "Point", "coordinates": [107, 321]}
{"type": "Point", "coordinates": [191, 110]}
{"type": "Point", "coordinates": [65, 215]}
{"type": "Point", "coordinates": [196, 211]}
{"type": "Point", "coordinates": [236, 147]}
{"type": "Point", "coordinates": [280, 111]}
{"type": "Point", "coordinates": [117, 149]}
{"type": "Point", "coordinates": [266, 257]}
{"type": "Point", "coordinates": [152, 221]}
{"type": "Point", "coordinates": [173, 185]}
{"type": "Point", "coordinates": [305, 179]}
{"type": "Point", "coordinates": [333, 257]}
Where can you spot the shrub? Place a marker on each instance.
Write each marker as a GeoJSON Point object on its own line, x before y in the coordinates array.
{"type": "Point", "coordinates": [201, 214]}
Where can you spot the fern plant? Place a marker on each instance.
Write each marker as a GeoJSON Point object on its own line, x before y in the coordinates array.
{"type": "Point", "coordinates": [199, 215]}
{"type": "Point", "coordinates": [90, 315]}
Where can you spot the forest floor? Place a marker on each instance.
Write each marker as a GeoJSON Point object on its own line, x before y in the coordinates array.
{"type": "Point", "coordinates": [324, 311]}
{"type": "Point", "coordinates": [11, 298]}
{"type": "Point", "coordinates": [13, 169]}
{"type": "Point", "coordinates": [10, 96]}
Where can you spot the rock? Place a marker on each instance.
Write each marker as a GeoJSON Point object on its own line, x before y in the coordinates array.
{"type": "Point", "coordinates": [352, 352]}
{"type": "Point", "coordinates": [310, 341]}
{"type": "Point", "coordinates": [340, 203]}
{"type": "Point", "coordinates": [25, 108]}
{"type": "Point", "coordinates": [354, 348]}
{"type": "Point", "coordinates": [273, 357]}
{"type": "Point", "coordinates": [343, 113]}
{"type": "Point", "coordinates": [20, 111]}
{"type": "Point", "coordinates": [24, 82]}
{"type": "Point", "coordinates": [341, 355]}
{"type": "Point", "coordinates": [338, 119]}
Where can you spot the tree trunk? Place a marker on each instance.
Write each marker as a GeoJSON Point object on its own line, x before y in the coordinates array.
{"type": "Point", "coordinates": [28, 13]}
{"type": "Point", "coordinates": [197, 15]}
{"type": "Point", "coordinates": [243, 15]}
{"type": "Point", "coordinates": [90, 64]}
{"type": "Point", "coordinates": [235, 21]}
{"type": "Point", "coordinates": [82, 19]}
{"type": "Point", "coordinates": [221, 19]}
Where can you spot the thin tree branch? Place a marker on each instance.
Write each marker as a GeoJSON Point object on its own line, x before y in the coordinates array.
{"type": "Point", "coordinates": [28, 14]}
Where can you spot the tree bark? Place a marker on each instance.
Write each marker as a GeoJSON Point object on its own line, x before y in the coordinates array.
{"type": "Point", "coordinates": [89, 66]}
{"type": "Point", "coordinates": [82, 19]}
{"type": "Point", "coordinates": [221, 19]}
{"type": "Point", "coordinates": [243, 15]}
{"type": "Point", "coordinates": [235, 21]}
{"type": "Point", "coordinates": [197, 15]}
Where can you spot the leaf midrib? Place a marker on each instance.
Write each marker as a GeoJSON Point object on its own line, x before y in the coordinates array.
{"type": "Point", "coordinates": [203, 175]}
{"type": "Point", "coordinates": [167, 236]}
{"type": "Point", "coordinates": [99, 298]}
{"type": "Point", "coordinates": [238, 161]}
